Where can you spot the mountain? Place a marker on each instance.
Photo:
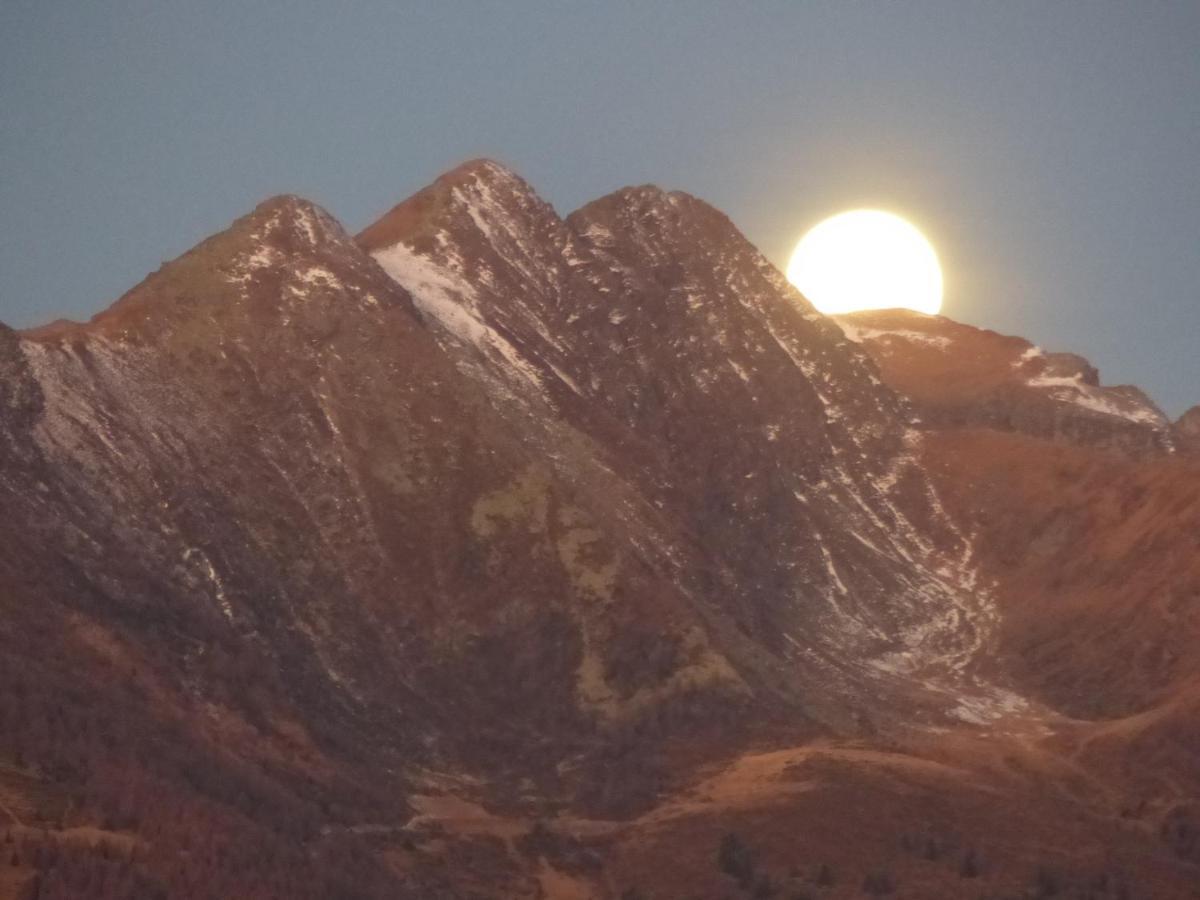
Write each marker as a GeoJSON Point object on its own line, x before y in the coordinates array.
{"type": "Point", "coordinates": [800, 530]}
{"type": "Point", "coordinates": [957, 376]}
{"type": "Point", "coordinates": [495, 554]}
{"type": "Point", "coordinates": [1085, 497]}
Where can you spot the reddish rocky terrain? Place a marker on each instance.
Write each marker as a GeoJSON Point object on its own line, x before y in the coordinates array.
{"type": "Point", "coordinates": [496, 554]}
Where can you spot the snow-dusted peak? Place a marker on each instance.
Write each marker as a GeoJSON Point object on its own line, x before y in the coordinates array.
{"type": "Point", "coordinates": [478, 192]}
{"type": "Point", "coordinates": [663, 231]}
{"type": "Point", "coordinates": [286, 251]}
{"type": "Point", "coordinates": [291, 220]}
{"type": "Point", "coordinates": [960, 374]}
{"type": "Point", "coordinates": [484, 169]}
{"type": "Point", "coordinates": [652, 209]}
{"type": "Point", "coordinates": [478, 250]}
{"type": "Point", "coordinates": [288, 238]}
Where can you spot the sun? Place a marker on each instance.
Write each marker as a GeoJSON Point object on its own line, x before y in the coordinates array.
{"type": "Point", "coordinates": [866, 259]}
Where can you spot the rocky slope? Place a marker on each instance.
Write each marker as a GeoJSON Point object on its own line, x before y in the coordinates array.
{"type": "Point", "coordinates": [1086, 498]}
{"type": "Point", "coordinates": [958, 376]}
{"type": "Point", "coordinates": [492, 553]}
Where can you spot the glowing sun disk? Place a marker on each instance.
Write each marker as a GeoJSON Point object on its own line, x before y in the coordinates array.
{"type": "Point", "coordinates": [866, 259]}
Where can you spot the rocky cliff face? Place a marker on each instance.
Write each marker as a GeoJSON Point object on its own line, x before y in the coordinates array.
{"type": "Point", "coordinates": [481, 553]}
{"type": "Point", "coordinates": [959, 376]}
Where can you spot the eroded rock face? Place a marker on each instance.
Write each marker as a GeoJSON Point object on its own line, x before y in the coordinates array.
{"type": "Point", "coordinates": [960, 376]}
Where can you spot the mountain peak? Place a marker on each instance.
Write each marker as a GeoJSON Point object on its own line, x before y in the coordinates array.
{"type": "Point", "coordinates": [644, 201]}
{"type": "Point", "coordinates": [480, 168]}
{"type": "Point", "coordinates": [664, 221]}
{"type": "Point", "coordinates": [460, 193]}
{"type": "Point", "coordinates": [289, 221]}
{"type": "Point", "coordinates": [284, 240]}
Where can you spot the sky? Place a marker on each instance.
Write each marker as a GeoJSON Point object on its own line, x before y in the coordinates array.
{"type": "Point", "coordinates": [1050, 151]}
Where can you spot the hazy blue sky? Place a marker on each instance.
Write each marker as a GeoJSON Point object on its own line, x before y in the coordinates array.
{"type": "Point", "coordinates": [1051, 151]}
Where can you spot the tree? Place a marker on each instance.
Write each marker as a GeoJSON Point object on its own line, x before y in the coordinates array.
{"type": "Point", "coordinates": [1046, 882]}
{"type": "Point", "coordinates": [824, 876]}
{"type": "Point", "coordinates": [763, 888]}
{"type": "Point", "coordinates": [878, 883]}
{"type": "Point", "coordinates": [735, 860]}
{"type": "Point", "coordinates": [932, 850]}
{"type": "Point", "coordinates": [969, 866]}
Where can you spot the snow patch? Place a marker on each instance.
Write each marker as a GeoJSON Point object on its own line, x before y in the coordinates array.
{"type": "Point", "coordinates": [444, 297]}
{"type": "Point", "coordinates": [210, 573]}
{"type": "Point", "coordinates": [305, 221]}
{"type": "Point", "coordinates": [1073, 390]}
{"type": "Point", "coordinates": [858, 334]}
{"type": "Point", "coordinates": [741, 372]}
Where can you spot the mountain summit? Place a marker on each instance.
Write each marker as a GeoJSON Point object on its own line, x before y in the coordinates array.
{"type": "Point", "coordinates": [495, 553]}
